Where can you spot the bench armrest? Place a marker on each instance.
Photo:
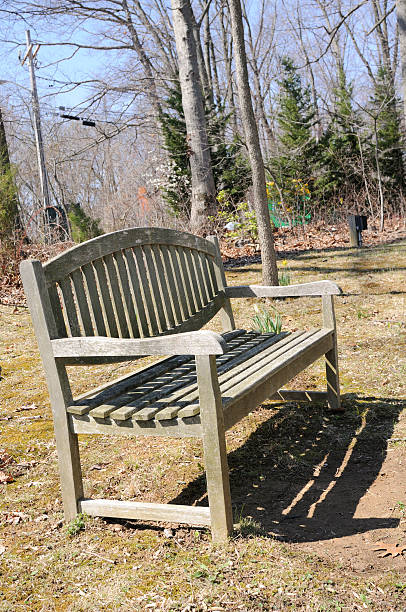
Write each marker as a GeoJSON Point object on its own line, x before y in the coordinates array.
{"type": "Point", "coordinates": [189, 343]}
{"type": "Point", "coordinates": [261, 291]}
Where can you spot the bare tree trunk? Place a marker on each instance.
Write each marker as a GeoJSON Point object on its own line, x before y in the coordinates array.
{"type": "Point", "coordinates": [269, 268]}
{"type": "Point", "coordinates": [203, 189]}
{"type": "Point", "coordinates": [401, 16]}
{"type": "Point", "coordinates": [268, 135]}
{"type": "Point", "coordinates": [228, 52]}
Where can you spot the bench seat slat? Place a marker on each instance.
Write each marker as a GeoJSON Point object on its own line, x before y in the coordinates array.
{"type": "Point", "coordinates": [238, 347]}
{"type": "Point", "coordinates": [245, 378]}
{"type": "Point", "coordinates": [168, 391]}
{"type": "Point", "coordinates": [104, 394]}
{"type": "Point", "coordinates": [229, 363]}
{"type": "Point", "coordinates": [182, 377]}
{"type": "Point", "coordinates": [262, 384]}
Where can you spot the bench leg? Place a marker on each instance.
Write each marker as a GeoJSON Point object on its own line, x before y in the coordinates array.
{"type": "Point", "coordinates": [214, 448]}
{"type": "Point", "coordinates": [70, 473]}
{"type": "Point", "coordinates": [331, 357]}
{"type": "Point", "coordinates": [66, 443]}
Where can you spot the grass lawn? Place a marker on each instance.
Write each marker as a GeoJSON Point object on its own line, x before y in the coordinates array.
{"type": "Point", "coordinates": [314, 493]}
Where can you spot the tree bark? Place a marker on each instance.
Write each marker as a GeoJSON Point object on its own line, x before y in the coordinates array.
{"type": "Point", "coordinates": [269, 268]}
{"type": "Point", "coordinates": [203, 188]}
{"type": "Point", "coordinates": [401, 17]}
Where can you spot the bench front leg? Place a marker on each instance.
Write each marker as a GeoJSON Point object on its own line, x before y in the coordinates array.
{"type": "Point", "coordinates": [331, 357]}
{"type": "Point", "coordinates": [214, 448]}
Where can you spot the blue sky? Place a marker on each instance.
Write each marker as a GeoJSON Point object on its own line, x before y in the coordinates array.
{"type": "Point", "coordinates": [53, 69]}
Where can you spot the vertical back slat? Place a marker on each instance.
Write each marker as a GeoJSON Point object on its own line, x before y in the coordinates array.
{"type": "Point", "coordinates": [179, 283]}
{"type": "Point", "coordinates": [81, 299]}
{"type": "Point", "coordinates": [212, 275]}
{"type": "Point", "coordinates": [117, 296]}
{"type": "Point", "coordinates": [57, 310]}
{"type": "Point", "coordinates": [136, 288]}
{"type": "Point", "coordinates": [128, 297]}
{"type": "Point", "coordinates": [145, 287]}
{"type": "Point", "coordinates": [165, 286]}
{"type": "Point", "coordinates": [170, 274]}
{"type": "Point", "coordinates": [192, 307]}
{"type": "Point", "coordinates": [193, 279]}
{"type": "Point", "coordinates": [70, 306]}
{"type": "Point", "coordinates": [204, 260]}
{"type": "Point", "coordinates": [106, 298]}
{"type": "Point", "coordinates": [157, 302]}
{"type": "Point", "coordinates": [200, 281]}
{"type": "Point", "coordinates": [94, 299]}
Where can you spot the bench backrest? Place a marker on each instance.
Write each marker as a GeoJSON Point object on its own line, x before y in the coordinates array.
{"type": "Point", "coordinates": [138, 282]}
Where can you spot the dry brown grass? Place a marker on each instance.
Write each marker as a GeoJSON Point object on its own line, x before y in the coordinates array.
{"type": "Point", "coordinates": [270, 564]}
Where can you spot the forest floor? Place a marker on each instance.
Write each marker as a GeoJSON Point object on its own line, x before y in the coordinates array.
{"type": "Point", "coordinates": [314, 493]}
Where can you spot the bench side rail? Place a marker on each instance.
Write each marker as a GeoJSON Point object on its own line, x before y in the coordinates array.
{"type": "Point", "coordinates": [135, 283]}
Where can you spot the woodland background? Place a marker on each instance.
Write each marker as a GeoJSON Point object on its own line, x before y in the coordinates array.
{"type": "Point", "coordinates": [326, 84]}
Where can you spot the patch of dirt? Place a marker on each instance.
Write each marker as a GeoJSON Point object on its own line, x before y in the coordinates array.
{"type": "Point", "coordinates": [335, 490]}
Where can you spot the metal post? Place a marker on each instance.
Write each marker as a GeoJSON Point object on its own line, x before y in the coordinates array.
{"type": "Point", "coordinates": [45, 199]}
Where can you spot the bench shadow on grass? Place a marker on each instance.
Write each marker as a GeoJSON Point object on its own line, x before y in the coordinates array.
{"type": "Point", "coordinates": [302, 472]}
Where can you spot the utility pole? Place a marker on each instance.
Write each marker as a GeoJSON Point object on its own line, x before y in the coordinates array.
{"type": "Point", "coordinates": [45, 198]}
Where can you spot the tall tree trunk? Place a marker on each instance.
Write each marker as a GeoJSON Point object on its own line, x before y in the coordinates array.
{"type": "Point", "coordinates": [203, 189]}
{"type": "Point", "coordinates": [401, 16]}
{"type": "Point", "coordinates": [269, 268]}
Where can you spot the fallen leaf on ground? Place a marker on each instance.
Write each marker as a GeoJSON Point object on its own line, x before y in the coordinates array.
{"type": "Point", "coordinates": [17, 517]}
{"type": "Point", "coordinates": [30, 407]}
{"type": "Point", "coordinates": [5, 478]}
{"type": "Point", "coordinates": [389, 548]}
{"type": "Point", "coordinates": [2, 549]}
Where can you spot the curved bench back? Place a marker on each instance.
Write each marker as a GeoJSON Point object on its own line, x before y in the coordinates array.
{"type": "Point", "coordinates": [135, 283]}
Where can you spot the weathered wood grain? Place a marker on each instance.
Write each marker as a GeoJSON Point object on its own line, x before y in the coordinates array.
{"type": "Point", "coordinates": [95, 305]}
{"type": "Point", "coordinates": [331, 357]}
{"type": "Point", "coordinates": [202, 342]}
{"type": "Point", "coordinates": [118, 300]}
{"type": "Point", "coordinates": [317, 288]}
{"type": "Point", "coordinates": [70, 306]}
{"type": "Point", "coordinates": [214, 448]}
{"type": "Point", "coordinates": [167, 513]}
{"type": "Point", "coordinates": [149, 291]}
{"type": "Point", "coordinates": [34, 283]}
{"type": "Point", "coordinates": [99, 247]}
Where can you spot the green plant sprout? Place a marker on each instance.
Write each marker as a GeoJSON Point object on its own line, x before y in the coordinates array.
{"type": "Point", "coordinates": [402, 508]}
{"type": "Point", "coordinates": [77, 524]}
{"type": "Point", "coordinates": [266, 321]}
{"type": "Point", "coordinates": [284, 276]}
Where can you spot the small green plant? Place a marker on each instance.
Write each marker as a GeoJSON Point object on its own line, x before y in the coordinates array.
{"type": "Point", "coordinates": [246, 525]}
{"type": "Point", "coordinates": [203, 571]}
{"type": "Point", "coordinates": [362, 314]}
{"type": "Point", "coordinates": [77, 524]}
{"type": "Point", "coordinates": [284, 276]}
{"type": "Point", "coordinates": [241, 218]}
{"type": "Point", "coordinates": [265, 320]}
{"type": "Point", "coordinates": [402, 508]}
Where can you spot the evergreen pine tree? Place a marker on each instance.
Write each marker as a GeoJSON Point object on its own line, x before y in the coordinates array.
{"type": "Point", "coordinates": [9, 214]}
{"type": "Point", "coordinates": [83, 227]}
{"type": "Point", "coordinates": [230, 168]}
{"type": "Point", "coordinates": [384, 107]}
{"type": "Point", "coordinates": [292, 167]}
{"type": "Point", "coordinates": [339, 163]}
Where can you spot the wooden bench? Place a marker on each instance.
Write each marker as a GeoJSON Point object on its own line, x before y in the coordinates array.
{"type": "Point", "coordinates": [149, 291]}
